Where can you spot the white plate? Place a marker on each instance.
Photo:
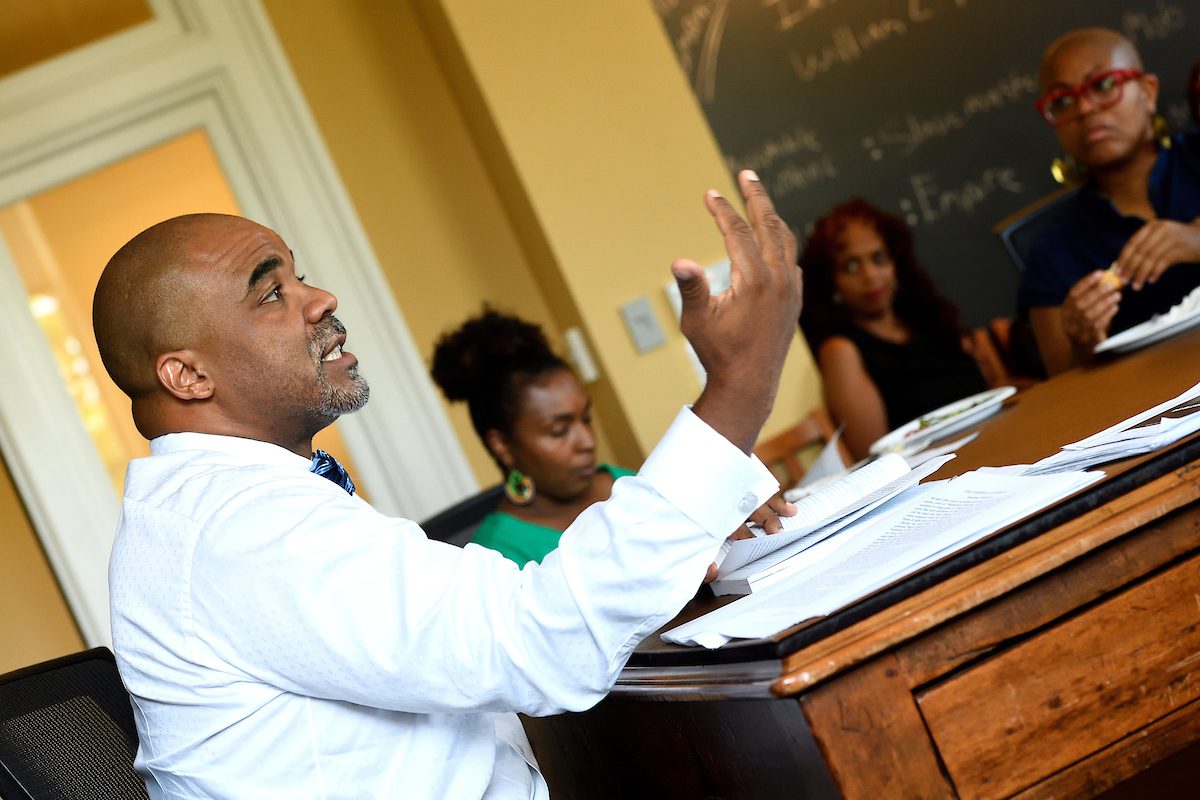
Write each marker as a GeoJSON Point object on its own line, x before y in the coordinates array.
{"type": "Point", "coordinates": [915, 435]}
{"type": "Point", "coordinates": [1152, 330]}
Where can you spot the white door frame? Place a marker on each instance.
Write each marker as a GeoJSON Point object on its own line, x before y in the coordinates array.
{"type": "Point", "coordinates": [216, 65]}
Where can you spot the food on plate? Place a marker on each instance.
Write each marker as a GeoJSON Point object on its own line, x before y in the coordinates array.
{"type": "Point", "coordinates": [929, 420]}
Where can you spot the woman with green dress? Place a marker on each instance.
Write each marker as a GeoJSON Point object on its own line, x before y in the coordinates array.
{"type": "Point", "coordinates": [535, 419]}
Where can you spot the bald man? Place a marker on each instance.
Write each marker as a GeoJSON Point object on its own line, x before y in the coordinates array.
{"type": "Point", "coordinates": [1126, 246]}
{"type": "Point", "coordinates": [282, 639]}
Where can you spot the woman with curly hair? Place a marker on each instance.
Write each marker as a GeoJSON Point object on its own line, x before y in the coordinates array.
{"type": "Point", "coordinates": [889, 345]}
{"type": "Point", "coordinates": [534, 417]}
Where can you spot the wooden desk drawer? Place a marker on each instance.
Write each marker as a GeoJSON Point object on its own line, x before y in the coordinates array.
{"type": "Point", "coordinates": [1013, 720]}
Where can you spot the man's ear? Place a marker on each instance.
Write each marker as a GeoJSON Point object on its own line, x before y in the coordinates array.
{"type": "Point", "coordinates": [181, 374]}
{"type": "Point", "coordinates": [496, 443]}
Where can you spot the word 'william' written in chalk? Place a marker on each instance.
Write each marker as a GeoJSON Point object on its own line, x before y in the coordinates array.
{"type": "Point", "coordinates": [848, 44]}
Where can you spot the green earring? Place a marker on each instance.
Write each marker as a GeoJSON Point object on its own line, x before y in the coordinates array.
{"type": "Point", "coordinates": [518, 488]}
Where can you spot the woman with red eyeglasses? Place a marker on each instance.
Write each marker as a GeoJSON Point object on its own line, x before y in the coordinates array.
{"type": "Point", "coordinates": [1128, 245]}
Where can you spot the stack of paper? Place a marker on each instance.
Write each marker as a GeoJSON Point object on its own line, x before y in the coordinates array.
{"type": "Point", "coordinates": [1160, 426]}
{"type": "Point", "coordinates": [916, 528]}
{"type": "Point", "coordinates": [748, 564]}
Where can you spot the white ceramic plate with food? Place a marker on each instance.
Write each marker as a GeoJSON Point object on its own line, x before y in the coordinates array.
{"type": "Point", "coordinates": [1176, 319]}
{"type": "Point", "coordinates": [915, 435]}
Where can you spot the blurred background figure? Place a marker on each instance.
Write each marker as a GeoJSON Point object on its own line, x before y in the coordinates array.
{"type": "Point", "coordinates": [1135, 209]}
{"type": "Point", "coordinates": [889, 345]}
{"type": "Point", "coordinates": [534, 417]}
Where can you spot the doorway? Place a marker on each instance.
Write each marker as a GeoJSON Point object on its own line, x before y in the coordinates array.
{"type": "Point", "coordinates": [60, 240]}
{"type": "Point", "coordinates": [195, 109]}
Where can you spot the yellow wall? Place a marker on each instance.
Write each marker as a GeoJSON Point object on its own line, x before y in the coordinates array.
{"type": "Point", "coordinates": [420, 187]}
{"type": "Point", "coordinates": [35, 624]}
{"type": "Point", "coordinates": [545, 156]}
{"type": "Point", "coordinates": [612, 156]}
{"type": "Point", "coordinates": [34, 30]}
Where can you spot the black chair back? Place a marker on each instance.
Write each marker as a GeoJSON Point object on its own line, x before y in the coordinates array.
{"type": "Point", "coordinates": [1019, 231]}
{"type": "Point", "coordinates": [67, 731]}
{"type": "Point", "coordinates": [457, 523]}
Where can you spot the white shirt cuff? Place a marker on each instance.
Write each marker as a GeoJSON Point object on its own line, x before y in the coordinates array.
{"type": "Point", "coordinates": [703, 475]}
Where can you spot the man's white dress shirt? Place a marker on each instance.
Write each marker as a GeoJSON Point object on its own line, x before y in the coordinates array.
{"type": "Point", "coordinates": [282, 639]}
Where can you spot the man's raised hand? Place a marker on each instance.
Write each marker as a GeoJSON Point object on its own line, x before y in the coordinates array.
{"type": "Point", "coordinates": [742, 335]}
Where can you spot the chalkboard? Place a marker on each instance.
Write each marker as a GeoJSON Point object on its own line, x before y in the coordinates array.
{"type": "Point", "coordinates": [924, 107]}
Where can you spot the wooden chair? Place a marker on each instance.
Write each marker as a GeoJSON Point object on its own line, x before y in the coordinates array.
{"type": "Point", "coordinates": [781, 452]}
{"type": "Point", "coordinates": [1002, 350]}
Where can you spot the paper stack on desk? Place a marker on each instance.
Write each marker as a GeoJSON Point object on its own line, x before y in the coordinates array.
{"type": "Point", "coordinates": [920, 526]}
{"type": "Point", "coordinates": [747, 565]}
{"type": "Point", "coordinates": [1148, 431]}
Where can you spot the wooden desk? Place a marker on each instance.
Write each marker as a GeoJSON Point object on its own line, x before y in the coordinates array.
{"type": "Point", "coordinates": [1054, 659]}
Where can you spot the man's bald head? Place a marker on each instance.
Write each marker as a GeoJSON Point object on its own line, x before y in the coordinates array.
{"type": "Point", "coordinates": [1122, 52]}
{"type": "Point", "coordinates": [204, 323]}
{"type": "Point", "coordinates": [149, 301]}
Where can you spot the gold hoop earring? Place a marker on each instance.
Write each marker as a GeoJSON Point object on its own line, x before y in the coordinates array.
{"type": "Point", "coordinates": [518, 488]}
{"type": "Point", "coordinates": [1065, 171]}
{"type": "Point", "coordinates": [1161, 131]}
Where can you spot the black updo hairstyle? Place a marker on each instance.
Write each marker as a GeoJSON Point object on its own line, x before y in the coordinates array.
{"type": "Point", "coordinates": [488, 361]}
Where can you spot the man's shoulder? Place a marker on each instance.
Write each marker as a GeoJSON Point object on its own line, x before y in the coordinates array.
{"type": "Point", "coordinates": [197, 475]}
{"type": "Point", "coordinates": [158, 476]}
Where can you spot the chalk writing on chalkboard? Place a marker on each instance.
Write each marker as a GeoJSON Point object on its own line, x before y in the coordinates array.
{"type": "Point", "coordinates": [924, 107]}
{"type": "Point", "coordinates": [906, 134]}
{"type": "Point", "coordinates": [846, 44]}
{"type": "Point", "coordinates": [930, 201]}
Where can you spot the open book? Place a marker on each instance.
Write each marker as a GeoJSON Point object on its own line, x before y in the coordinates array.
{"type": "Point", "coordinates": [922, 525]}
{"type": "Point", "coordinates": [748, 564]}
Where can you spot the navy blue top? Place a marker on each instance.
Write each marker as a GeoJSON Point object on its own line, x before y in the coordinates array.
{"type": "Point", "coordinates": [1090, 233]}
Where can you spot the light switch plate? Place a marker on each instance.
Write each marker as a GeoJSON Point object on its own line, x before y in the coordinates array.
{"type": "Point", "coordinates": [642, 325]}
{"type": "Point", "coordinates": [581, 355]}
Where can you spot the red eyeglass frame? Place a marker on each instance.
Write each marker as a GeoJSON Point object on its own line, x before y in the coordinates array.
{"type": "Point", "coordinates": [1079, 89]}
